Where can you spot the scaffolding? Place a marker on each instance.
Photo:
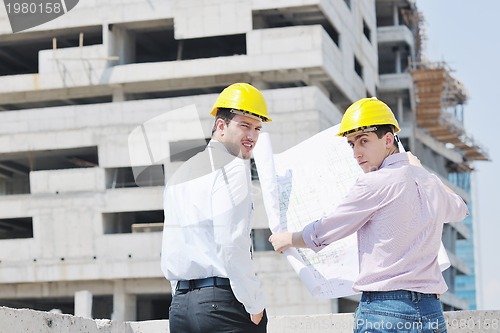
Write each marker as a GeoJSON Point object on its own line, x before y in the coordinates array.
{"type": "Point", "coordinates": [439, 106]}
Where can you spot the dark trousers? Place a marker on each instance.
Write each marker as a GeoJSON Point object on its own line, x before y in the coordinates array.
{"type": "Point", "coordinates": [210, 309]}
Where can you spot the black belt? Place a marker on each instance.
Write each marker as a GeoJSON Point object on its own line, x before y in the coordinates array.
{"type": "Point", "coordinates": [213, 281]}
{"type": "Point", "coordinates": [395, 294]}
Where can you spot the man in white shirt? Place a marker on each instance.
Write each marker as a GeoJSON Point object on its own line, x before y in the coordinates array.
{"type": "Point", "coordinates": [206, 236]}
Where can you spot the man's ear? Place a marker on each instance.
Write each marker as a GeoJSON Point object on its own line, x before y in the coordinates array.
{"type": "Point", "coordinates": [389, 139]}
{"type": "Point", "coordinates": [221, 125]}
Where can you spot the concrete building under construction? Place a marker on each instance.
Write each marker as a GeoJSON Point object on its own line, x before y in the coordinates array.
{"type": "Point", "coordinates": [77, 223]}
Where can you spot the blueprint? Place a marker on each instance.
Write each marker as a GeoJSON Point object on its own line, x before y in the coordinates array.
{"type": "Point", "coordinates": [301, 185]}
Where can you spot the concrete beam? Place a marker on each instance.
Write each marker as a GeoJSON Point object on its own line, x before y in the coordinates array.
{"type": "Point", "coordinates": [269, 51]}
{"type": "Point", "coordinates": [393, 34]}
{"type": "Point", "coordinates": [438, 146]}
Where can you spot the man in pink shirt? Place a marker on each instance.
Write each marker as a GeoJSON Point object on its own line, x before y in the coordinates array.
{"type": "Point", "coordinates": [397, 209]}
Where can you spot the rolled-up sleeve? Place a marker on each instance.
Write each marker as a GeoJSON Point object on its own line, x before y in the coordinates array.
{"type": "Point", "coordinates": [311, 237]}
{"type": "Point", "coordinates": [456, 209]}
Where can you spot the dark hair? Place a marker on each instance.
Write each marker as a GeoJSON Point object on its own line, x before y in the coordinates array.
{"type": "Point", "coordinates": [383, 129]}
{"type": "Point", "coordinates": [224, 114]}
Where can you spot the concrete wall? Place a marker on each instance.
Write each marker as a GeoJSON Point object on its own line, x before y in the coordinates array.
{"type": "Point", "coordinates": [70, 249]}
{"type": "Point", "coordinates": [15, 321]}
{"type": "Point", "coordinates": [67, 205]}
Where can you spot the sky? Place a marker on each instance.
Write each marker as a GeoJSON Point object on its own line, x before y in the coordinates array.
{"type": "Point", "coordinates": [466, 35]}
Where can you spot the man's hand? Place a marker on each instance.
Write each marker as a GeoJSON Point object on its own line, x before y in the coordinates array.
{"type": "Point", "coordinates": [256, 318]}
{"type": "Point", "coordinates": [281, 241]}
{"type": "Point", "coordinates": [414, 160]}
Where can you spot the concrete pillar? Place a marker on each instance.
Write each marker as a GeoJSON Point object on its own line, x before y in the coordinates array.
{"type": "Point", "coordinates": [118, 94]}
{"type": "Point", "coordinates": [397, 60]}
{"type": "Point", "coordinates": [395, 14]}
{"type": "Point", "coordinates": [124, 304]}
{"type": "Point", "coordinates": [400, 110]}
{"type": "Point", "coordinates": [335, 305]}
{"type": "Point", "coordinates": [83, 304]}
{"type": "Point", "coordinates": [122, 44]}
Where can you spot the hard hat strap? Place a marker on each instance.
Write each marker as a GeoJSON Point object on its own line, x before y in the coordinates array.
{"type": "Point", "coordinates": [357, 131]}
{"type": "Point", "coordinates": [246, 114]}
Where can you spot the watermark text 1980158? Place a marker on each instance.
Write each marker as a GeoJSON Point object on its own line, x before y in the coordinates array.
{"type": "Point", "coordinates": [26, 14]}
{"type": "Point", "coordinates": [482, 324]}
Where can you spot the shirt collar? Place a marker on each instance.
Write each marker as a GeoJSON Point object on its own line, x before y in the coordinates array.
{"type": "Point", "coordinates": [399, 158]}
{"type": "Point", "coordinates": [217, 145]}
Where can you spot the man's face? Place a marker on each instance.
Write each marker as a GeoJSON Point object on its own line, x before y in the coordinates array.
{"type": "Point", "coordinates": [370, 151]}
{"type": "Point", "coordinates": [240, 135]}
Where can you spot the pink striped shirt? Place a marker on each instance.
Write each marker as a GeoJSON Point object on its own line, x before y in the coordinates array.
{"type": "Point", "coordinates": [398, 213]}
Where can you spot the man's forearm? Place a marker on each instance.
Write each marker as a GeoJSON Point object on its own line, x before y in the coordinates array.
{"type": "Point", "coordinates": [298, 240]}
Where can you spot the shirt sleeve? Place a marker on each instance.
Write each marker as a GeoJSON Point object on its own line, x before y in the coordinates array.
{"type": "Point", "coordinates": [349, 216]}
{"type": "Point", "coordinates": [232, 209]}
{"type": "Point", "coordinates": [456, 208]}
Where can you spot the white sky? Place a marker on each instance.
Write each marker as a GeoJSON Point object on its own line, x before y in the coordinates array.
{"type": "Point", "coordinates": [466, 35]}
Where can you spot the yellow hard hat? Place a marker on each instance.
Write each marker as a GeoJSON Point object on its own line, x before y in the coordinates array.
{"type": "Point", "coordinates": [366, 113]}
{"type": "Point", "coordinates": [242, 97]}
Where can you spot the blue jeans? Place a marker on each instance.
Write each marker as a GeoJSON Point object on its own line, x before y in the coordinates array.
{"type": "Point", "coordinates": [399, 311]}
{"type": "Point", "coordinates": [210, 310]}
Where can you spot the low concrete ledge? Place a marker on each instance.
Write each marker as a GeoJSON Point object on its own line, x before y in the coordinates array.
{"type": "Point", "coordinates": [24, 320]}
{"type": "Point", "coordinates": [457, 321]}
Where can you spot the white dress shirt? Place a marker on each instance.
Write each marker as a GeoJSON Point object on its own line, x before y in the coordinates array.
{"type": "Point", "coordinates": [208, 206]}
